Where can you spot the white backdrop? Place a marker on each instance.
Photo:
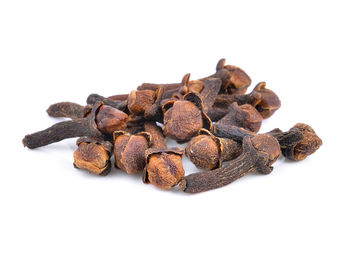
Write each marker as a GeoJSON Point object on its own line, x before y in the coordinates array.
{"type": "Point", "coordinates": [52, 51]}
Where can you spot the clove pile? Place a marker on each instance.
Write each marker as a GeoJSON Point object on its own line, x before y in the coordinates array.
{"type": "Point", "coordinates": [214, 115]}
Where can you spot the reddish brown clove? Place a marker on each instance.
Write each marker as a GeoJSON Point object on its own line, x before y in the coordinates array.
{"type": "Point", "coordinates": [93, 155]}
{"type": "Point", "coordinates": [164, 167]}
{"type": "Point", "coordinates": [208, 151]}
{"type": "Point", "coordinates": [259, 153]}
{"type": "Point", "coordinates": [93, 98]}
{"type": "Point", "coordinates": [184, 118]}
{"type": "Point", "coordinates": [158, 139]}
{"type": "Point", "coordinates": [245, 116]}
{"type": "Point", "coordinates": [129, 151]}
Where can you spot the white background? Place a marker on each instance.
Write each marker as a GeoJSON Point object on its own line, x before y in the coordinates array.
{"type": "Point", "coordinates": [52, 51]}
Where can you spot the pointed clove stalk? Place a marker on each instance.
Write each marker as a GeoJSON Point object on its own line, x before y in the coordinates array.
{"type": "Point", "coordinates": [259, 153]}
{"type": "Point", "coordinates": [68, 110]}
{"type": "Point", "coordinates": [102, 121]}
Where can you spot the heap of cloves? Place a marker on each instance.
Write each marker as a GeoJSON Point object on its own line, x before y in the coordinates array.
{"type": "Point", "coordinates": [213, 114]}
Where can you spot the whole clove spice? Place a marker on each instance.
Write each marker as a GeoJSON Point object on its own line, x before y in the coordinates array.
{"type": "Point", "coordinates": [245, 116]}
{"type": "Point", "coordinates": [93, 154]}
{"type": "Point", "coordinates": [93, 98]}
{"type": "Point", "coordinates": [102, 121]}
{"type": "Point", "coordinates": [208, 151]}
{"type": "Point", "coordinates": [129, 151]}
{"type": "Point", "coordinates": [259, 153]}
{"type": "Point", "coordinates": [184, 118]}
{"type": "Point", "coordinates": [163, 165]}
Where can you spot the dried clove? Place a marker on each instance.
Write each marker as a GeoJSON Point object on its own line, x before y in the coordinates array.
{"type": "Point", "coordinates": [184, 118]}
{"type": "Point", "coordinates": [93, 154]}
{"type": "Point", "coordinates": [129, 151]}
{"type": "Point", "coordinates": [259, 153]}
{"type": "Point", "coordinates": [163, 166]}
{"type": "Point", "coordinates": [245, 116]}
{"type": "Point", "coordinates": [208, 151]}
{"type": "Point", "coordinates": [102, 121]}
{"type": "Point", "coordinates": [299, 142]}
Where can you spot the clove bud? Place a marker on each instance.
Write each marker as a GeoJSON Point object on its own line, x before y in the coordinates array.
{"type": "Point", "coordinates": [93, 155]}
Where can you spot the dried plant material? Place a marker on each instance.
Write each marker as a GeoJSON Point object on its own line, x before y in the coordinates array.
{"type": "Point", "coordinates": [69, 110]}
{"type": "Point", "coordinates": [208, 151]}
{"type": "Point", "coordinates": [158, 139]}
{"type": "Point", "coordinates": [269, 102]}
{"type": "Point", "coordinates": [259, 153]}
{"type": "Point", "coordinates": [140, 100]}
{"type": "Point", "coordinates": [184, 118]}
{"type": "Point", "coordinates": [93, 155]}
{"type": "Point", "coordinates": [94, 98]}
{"type": "Point", "coordinates": [245, 116]}
{"type": "Point", "coordinates": [129, 151]}
{"type": "Point", "coordinates": [110, 119]}
{"type": "Point", "coordinates": [164, 167]}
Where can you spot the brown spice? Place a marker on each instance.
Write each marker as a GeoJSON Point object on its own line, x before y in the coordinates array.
{"type": "Point", "coordinates": [259, 153]}
{"type": "Point", "coordinates": [129, 151]}
{"type": "Point", "coordinates": [208, 151]}
{"type": "Point", "coordinates": [93, 155]}
{"type": "Point", "coordinates": [69, 110]}
{"type": "Point", "coordinates": [184, 118]}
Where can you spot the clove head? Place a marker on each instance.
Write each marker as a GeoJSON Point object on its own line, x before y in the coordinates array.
{"type": "Point", "coordinates": [129, 151]}
{"type": "Point", "coordinates": [110, 119]}
{"type": "Point", "coordinates": [93, 155]}
{"type": "Point", "coordinates": [234, 79]}
{"type": "Point", "coordinates": [204, 152]}
{"type": "Point", "coordinates": [269, 101]}
{"type": "Point", "coordinates": [140, 100]}
{"type": "Point", "coordinates": [306, 146]}
{"type": "Point", "coordinates": [164, 167]}
{"type": "Point", "coordinates": [184, 118]}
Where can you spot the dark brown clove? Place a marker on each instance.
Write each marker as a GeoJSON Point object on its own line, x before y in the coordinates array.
{"type": "Point", "coordinates": [68, 110]}
{"type": "Point", "coordinates": [158, 138]}
{"type": "Point", "coordinates": [129, 151]}
{"type": "Point", "coordinates": [93, 154]}
{"type": "Point", "coordinates": [208, 151]}
{"type": "Point", "coordinates": [299, 142]}
{"type": "Point", "coordinates": [245, 116]}
{"type": "Point", "coordinates": [234, 79]}
{"type": "Point", "coordinates": [93, 98]}
{"type": "Point", "coordinates": [296, 144]}
{"type": "Point", "coordinates": [102, 121]}
{"type": "Point", "coordinates": [259, 153]}
{"type": "Point", "coordinates": [121, 97]}
{"type": "Point", "coordinates": [184, 118]}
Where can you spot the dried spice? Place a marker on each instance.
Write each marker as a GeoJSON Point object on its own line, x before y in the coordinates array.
{"type": "Point", "coordinates": [208, 151]}
{"type": "Point", "coordinates": [259, 153]}
{"type": "Point", "coordinates": [93, 98]}
{"type": "Point", "coordinates": [187, 111]}
{"type": "Point", "coordinates": [163, 166]}
{"type": "Point", "coordinates": [93, 155]}
{"type": "Point", "coordinates": [245, 116]}
{"type": "Point", "coordinates": [102, 121]}
{"type": "Point", "coordinates": [69, 110]}
{"type": "Point", "coordinates": [184, 118]}
{"type": "Point", "coordinates": [129, 151]}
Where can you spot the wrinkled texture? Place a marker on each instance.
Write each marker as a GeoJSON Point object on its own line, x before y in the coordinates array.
{"type": "Point", "coordinates": [92, 157]}
{"type": "Point", "coordinates": [129, 152]}
{"type": "Point", "coordinates": [269, 101]}
{"type": "Point", "coordinates": [110, 119]}
{"type": "Point", "coordinates": [165, 170]}
{"type": "Point", "coordinates": [140, 100]}
{"type": "Point", "coordinates": [182, 121]}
